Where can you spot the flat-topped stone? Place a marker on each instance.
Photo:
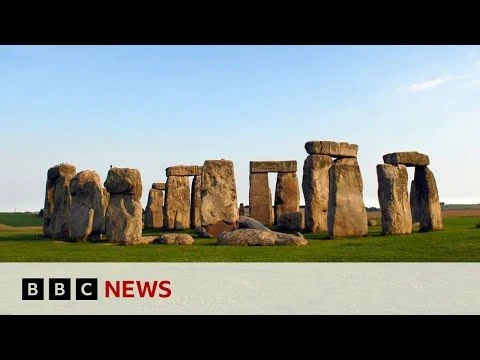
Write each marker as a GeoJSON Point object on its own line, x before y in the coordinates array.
{"type": "Point", "coordinates": [332, 148]}
{"type": "Point", "coordinates": [407, 158]}
{"type": "Point", "coordinates": [159, 186]}
{"type": "Point", "coordinates": [184, 170]}
{"type": "Point", "coordinates": [287, 166]}
{"type": "Point", "coordinates": [61, 170]}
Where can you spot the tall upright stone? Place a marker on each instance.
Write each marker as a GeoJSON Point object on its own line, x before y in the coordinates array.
{"type": "Point", "coordinates": [58, 200]}
{"type": "Point", "coordinates": [177, 203]}
{"type": "Point", "coordinates": [88, 206]}
{"type": "Point", "coordinates": [414, 202]}
{"type": "Point", "coordinates": [123, 220]}
{"type": "Point", "coordinates": [346, 210]}
{"type": "Point", "coordinates": [219, 207]}
{"type": "Point", "coordinates": [393, 199]}
{"type": "Point", "coordinates": [260, 199]}
{"type": "Point", "coordinates": [154, 209]}
{"type": "Point", "coordinates": [429, 202]}
{"type": "Point", "coordinates": [315, 186]}
{"type": "Point", "coordinates": [196, 199]}
{"type": "Point", "coordinates": [287, 194]}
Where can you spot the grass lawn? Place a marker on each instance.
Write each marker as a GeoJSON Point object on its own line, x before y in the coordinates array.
{"type": "Point", "coordinates": [459, 242]}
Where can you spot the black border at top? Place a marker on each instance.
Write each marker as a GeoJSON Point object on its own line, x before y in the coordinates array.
{"type": "Point", "coordinates": [241, 38]}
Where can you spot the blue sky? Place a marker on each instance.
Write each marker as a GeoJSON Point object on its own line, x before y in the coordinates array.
{"type": "Point", "coordinates": [150, 107]}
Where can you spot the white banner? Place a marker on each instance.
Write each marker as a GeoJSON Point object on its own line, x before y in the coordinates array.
{"type": "Point", "coordinates": [240, 288]}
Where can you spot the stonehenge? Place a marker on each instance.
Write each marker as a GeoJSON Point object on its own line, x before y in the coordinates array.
{"type": "Point", "coordinates": [398, 211]}
{"type": "Point", "coordinates": [58, 201]}
{"type": "Point", "coordinates": [219, 206]}
{"type": "Point", "coordinates": [154, 208]}
{"type": "Point", "coordinates": [333, 189]}
{"type": "Point", "coordinates": [182, 208]}
{"type": "Point", "coordinates": [123, 220]}
{"type": "Point", "coordinates": [287, 194]}
{"type": "Point", "coordinates": [88, 206]}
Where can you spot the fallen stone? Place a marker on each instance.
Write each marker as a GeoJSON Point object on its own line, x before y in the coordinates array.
{"type": "Point", "coordinates": [246, 222]}
{"type": "Point", "coordinates": [287, 194]}
{"type": "Point", "coordinates": [288, 239]}
{"type": "Point", "coordinates": [260, 199]}
{"type": "Point", "coordinates": [175, 239]}
{"type": "Point", "coordinates": [393, 199]}
{"type": "Point", "coordinates": [124, 181]}
{"type": "Point", "coordinates": [177, 203]}
{"type": "Point", "coordinates": [315, 186]}
{"type": "Point", "coordinates": [253, 237]}
{"type": "Point", "coordinates": [331, 148]}
{"type": "Point", "coordinates": [184, 170]}
{"type": "Point", "coordinates": [290, 221]}
{"type": "Point", "coordinates": [407, 158]}
{"type": "Point", "coordinates": [346, 210]}
{"type": "Point", "coordinates": [202, 232]}
{"type": "Point", "coordinates": [159, 186]}
{"type": "Point", "coordinates": [219, 207]}
{"type": "Point", "coordinates": [286, 166]}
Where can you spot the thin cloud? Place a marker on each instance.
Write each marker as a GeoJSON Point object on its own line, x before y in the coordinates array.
{"type": "Point", "coordinates": [433, 83]}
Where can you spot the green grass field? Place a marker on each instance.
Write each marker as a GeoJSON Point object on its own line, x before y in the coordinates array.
{"type": "Point", "coordinates": [459, 242]}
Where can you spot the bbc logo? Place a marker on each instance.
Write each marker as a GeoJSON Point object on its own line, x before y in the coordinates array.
{"type": "Point", "coordinates": [59, 289]}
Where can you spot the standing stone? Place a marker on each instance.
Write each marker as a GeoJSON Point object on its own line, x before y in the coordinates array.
{"type": "Point", "coordinates": [123, 221]}
{"type": "Point", "coordinates": [177, 203]}
{"type": "Point", "coordinates": [241, 210]}
{"type": "Point", "coordinates": [58, 200]}
{"type": "Point", "coordinates": [287, 194]}
{"type": "Point", "coordinates": [88, 206]}
{"type": "Point", "coordinates": [195, 215]}
{"type": "Point", "coordinates": [315, 190]}
{"type": "Point", "coordinates": [393, 199]}
{"type": "Point", "coordinates": [346, 211]}
{"type": "Point", "coordinates": [260, 199]}
{"type": "Point", "coordinates": [429, 203]}
{"type": "Point", "coordinates": [154, 209]}
{"type": "Point", "coordinates": [414, 203]}
{"type": "Point", "coordinates": [219, 207]}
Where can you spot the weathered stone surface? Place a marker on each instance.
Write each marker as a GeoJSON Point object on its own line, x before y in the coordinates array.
{"type": "Point", "coordinates": [154, 209]}
{"type": "Point", "coordinates": [260, 199]}
{"type": "Point", "coordinates": [105, 198]}
{"type": "Point", "coordinates": [315, 187]}
{"type": "Point", "coordinates": [88, 206]}
{"type": "Point", "coordinates": [393, 199]}
{"type": "Point", "coordinates": [159, 186]}
{"type": "Point", "coordinates": [246, 222]}
{"type": "Point", "coordinates": [346, 211]}
{"type": "Point", "coordinates": [184, 170]}
{"type": "Point", "coordinates": [288, 239]}
{"type": "Point", "coordinates": [407, 158]}
{"type": "Point", "coordinates": [292, 220]}
{"type": "Point", "coordinates": [241, 210]}
{"type": "Point", "coordinates": [123, 221]}
{"type": "Point", "coordinates": [196, 199]}
{"type": "Point", "coordinates": [286, 166]}
{"type": "Point", "coordinates": [287, 194]}
{"type": "Point", "coordinates": [219, 207]}
{"type": "Point", "coordinates": [346, 161]}
{"type": "Point", "coordinates": [58, 200]}
{"type": "Point", "coordinates": [253, 237]}
{"type": "Point", "coordinates": [175, 239]}
{"type": "Point", "coordinates": [177, 203]}
{"type": "Point", "coordinates": [414, 203]}
{"type": "Point", "coordinates": [331, 148]}
{"type": "Point", "coordinates": [124, 181]}
{"type": "Point", "coordinates": [429, 202]}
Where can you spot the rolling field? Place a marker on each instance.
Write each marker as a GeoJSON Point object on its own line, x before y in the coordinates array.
{"type": "Point", "coordinates": [21, 240]}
